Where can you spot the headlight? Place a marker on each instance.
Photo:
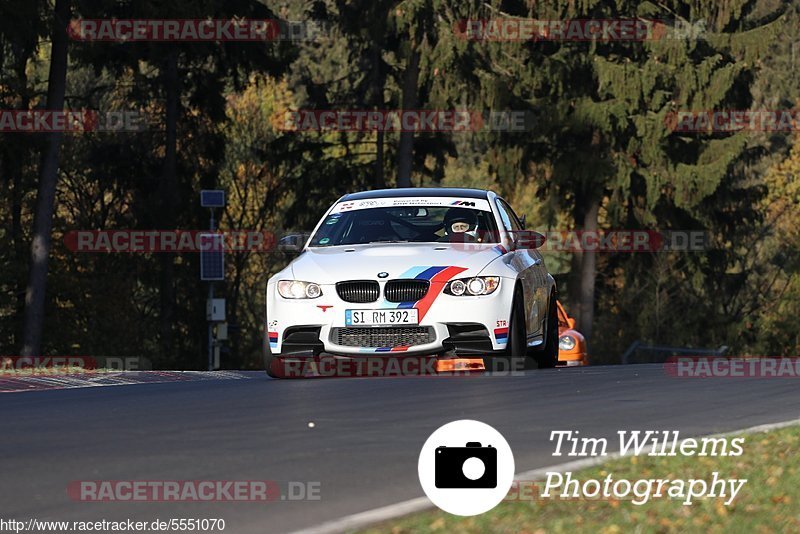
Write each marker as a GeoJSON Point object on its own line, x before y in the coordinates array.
{"type": "Point", "coordinates": [295, 289]}
{"type": "Point", "coordinates": [476, 286]}
{"type": "Point", "coordinates": [458, 287]}
{"type": "Point", "coordinates": [566, 343]}
{"type": "Point", "coordinates": [480, 285]}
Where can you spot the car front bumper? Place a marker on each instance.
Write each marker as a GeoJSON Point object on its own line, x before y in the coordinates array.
{"type": "Point", "coordinates": [465, 325]}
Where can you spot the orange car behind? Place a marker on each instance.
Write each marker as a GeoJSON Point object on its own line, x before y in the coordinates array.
{"type": "Point", "coordinates": [571, 343]}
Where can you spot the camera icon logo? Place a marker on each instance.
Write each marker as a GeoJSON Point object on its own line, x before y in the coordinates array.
{"type": "Point", "coordinates": [472, 466]}
{"type": "Point", "coordinates": [466, 467]}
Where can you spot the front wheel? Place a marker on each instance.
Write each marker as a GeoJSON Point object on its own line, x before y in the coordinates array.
{"type": "Point", "coordinates": [278, 366]}
{"type": "Point", "coordinates": [513, 358]}
{"type": "Point", "coordinates": [547, 357]}
{"type": "Point", "coordinates": [271, 363]}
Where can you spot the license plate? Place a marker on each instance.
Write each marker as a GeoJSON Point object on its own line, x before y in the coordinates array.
{"type": "Point", "coordinates": [381, 317]}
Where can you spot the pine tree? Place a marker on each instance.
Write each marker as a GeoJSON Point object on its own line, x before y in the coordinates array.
{"type": "Point", "coordinates": [605, 105]}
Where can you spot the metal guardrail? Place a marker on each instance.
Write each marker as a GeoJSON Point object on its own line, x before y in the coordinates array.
{"type": "Point", "coordinates": [668, 352]}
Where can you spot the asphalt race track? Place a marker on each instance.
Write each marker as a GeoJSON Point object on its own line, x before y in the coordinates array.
{"type": "Point", "coordinates": [363, 448]}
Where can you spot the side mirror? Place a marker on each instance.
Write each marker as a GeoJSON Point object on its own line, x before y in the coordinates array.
{"type": "Point", "coordinates": [524, 220]}
{"type": "Point", "coordinates": [528, 239]}
{"type": "Point", "coordinates": [516, 240]}
{"type": "Point", "coordinates": [537, 240]}
{"type": "Point", "coordinates": [571, 323]}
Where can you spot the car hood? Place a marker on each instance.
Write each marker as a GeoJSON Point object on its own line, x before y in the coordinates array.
{"type": "Point", "coordinates": [328, 265]}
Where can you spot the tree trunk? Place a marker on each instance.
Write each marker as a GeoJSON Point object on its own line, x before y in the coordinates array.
{"type": "Point", "coordinates": [576, 259]}
{"type": "Point", "coordinates": [380, 181]}
{"type": "Point", "coordinates": [16, 168]}
{"type": "Point", "coordinates": [588, 273]}
{"type": "Point", "coordinates": [48, 180]}
{"type": "Point", "coordinates": [574, 283]}
{"type": "Point", "coordinates": [168, 196]}
{"type": "Point", "coordinates": [405, 150]}
{"type": "Point", "coordinates": [378, 81]}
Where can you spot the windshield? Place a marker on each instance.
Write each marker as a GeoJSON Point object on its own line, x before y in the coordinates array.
{"type": "Point", "coordinates": [407, 224]}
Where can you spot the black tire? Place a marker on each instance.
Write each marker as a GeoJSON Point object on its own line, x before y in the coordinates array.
{"type": "Point", "coordinates": [547, 357]}
{"type": "Point", "coordinates": [271, 364]}
{"type": "Point", "coordinates": [267, 356]}
{"type": "Point", "coordinates": [280, 367]}
{"type": "Point", "coordinates": [513, 358]}
{"type": "Point", "coordinates": [274, 364]}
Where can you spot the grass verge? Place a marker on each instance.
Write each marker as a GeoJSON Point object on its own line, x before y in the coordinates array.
{"type": "Point", "coordinates": [768, 502]}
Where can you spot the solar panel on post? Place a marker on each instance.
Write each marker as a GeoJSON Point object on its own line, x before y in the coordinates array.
{"type": "Point", "coordinates": [212, 198]}
{"type": "Point", "coordinates": [212, 257]}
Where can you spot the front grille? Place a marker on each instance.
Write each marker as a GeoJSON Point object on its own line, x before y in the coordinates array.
{"type": "Point", "coordinates": [358, 291]}
{"type": "Point", "coordinates": [405, 290]}
{"type": "Point", "coordinates": [391, 336]}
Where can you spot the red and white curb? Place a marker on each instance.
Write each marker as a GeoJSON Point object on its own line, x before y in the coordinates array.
{"type": "Point", "coordinates": [18, 384]}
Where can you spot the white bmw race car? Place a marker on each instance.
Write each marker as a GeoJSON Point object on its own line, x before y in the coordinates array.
{"type": "Point", "coordinates": [423, 271]}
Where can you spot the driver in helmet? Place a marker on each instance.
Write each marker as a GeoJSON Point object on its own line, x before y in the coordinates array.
{"type": "Point", "coordinates": [460, 224]}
